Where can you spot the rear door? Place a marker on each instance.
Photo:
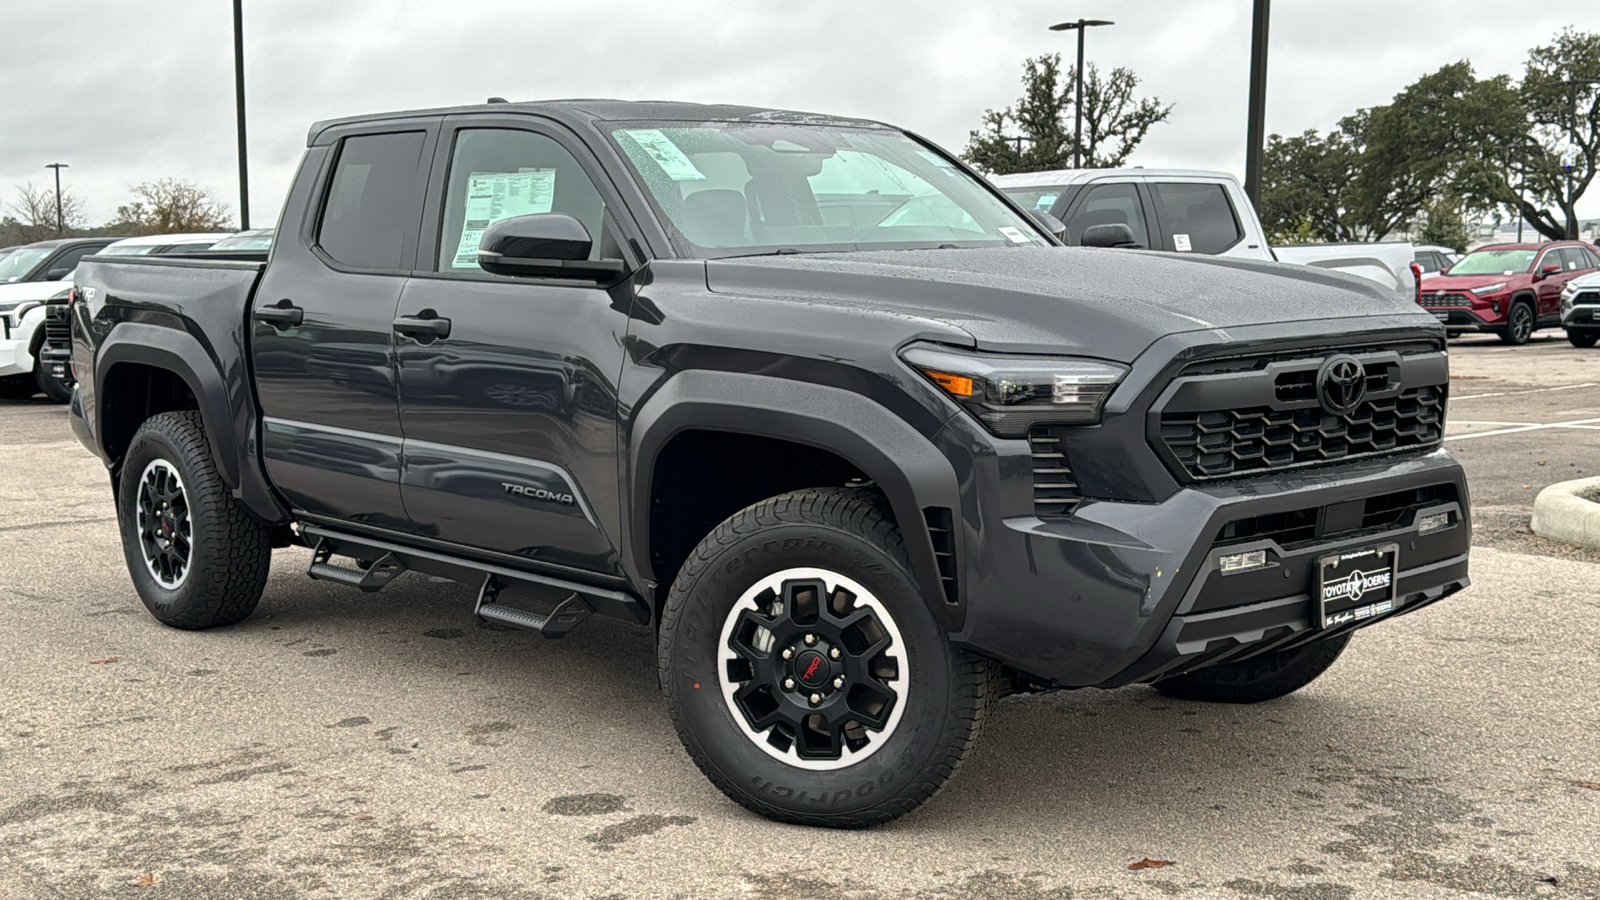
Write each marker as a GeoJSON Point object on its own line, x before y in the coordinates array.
{"type": "Point", "coordinates": [1201, 217]}
{"type": "Point", "coordinates": [510, 412]}
{"type": "Point", "coordinates": [322, 319]}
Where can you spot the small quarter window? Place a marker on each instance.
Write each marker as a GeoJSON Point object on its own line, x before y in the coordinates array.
{"type": "Point", "coordinates": [1198, 217]}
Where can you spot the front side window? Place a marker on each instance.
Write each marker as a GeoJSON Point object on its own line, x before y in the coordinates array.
{"type": "Point", "coordinates": [1198, 217]}
{"type": "Point", "coordinates": [69, 261]}
{"type": "Point", "coordinates": [1109, 204]}
{"type": "Point", "coordinates": [1494, 262]}
{"type": "Point", "coordinates": [374, 201]}
{"type": "Point", "coordinates": [498, 173]}
{"type": "Point", "coordinates": [738, 188]}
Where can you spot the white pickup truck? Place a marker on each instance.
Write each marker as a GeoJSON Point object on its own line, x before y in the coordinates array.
{"type": "Point", "coordinates": [1184, 211]}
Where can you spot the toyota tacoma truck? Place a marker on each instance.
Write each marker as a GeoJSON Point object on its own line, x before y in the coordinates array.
{"type": "Point", "coordinates": [803, 394]}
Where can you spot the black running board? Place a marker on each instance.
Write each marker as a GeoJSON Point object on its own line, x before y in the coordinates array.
{"type": "Point", "coordinates": [580, 601]}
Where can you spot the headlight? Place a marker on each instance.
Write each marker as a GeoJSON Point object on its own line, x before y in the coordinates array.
{"type": "Point", "coordinates": [1008, 394]}
{"type": "Point", "coordinates": [1489, 289]}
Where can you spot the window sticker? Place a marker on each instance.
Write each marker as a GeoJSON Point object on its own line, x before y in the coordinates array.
{"type": "Point", "coordinates": [1045, 202]}
{"type": "Point", "coordinates": [492, 196]}
{"type": "Point", "coordinates": [666, 154]}
{"type": "Point", "coordinates": [1180, 243]}
{"type": "Point", "coordinates": [1016, 236]}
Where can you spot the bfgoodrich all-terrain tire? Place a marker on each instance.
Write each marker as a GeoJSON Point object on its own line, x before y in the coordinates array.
{"type": "Point", "coordinates": [1265, 677]}
{"type": "Point", "coordinates": [198, 559]}
{"type": "Point", "coordinates": [805, 674]}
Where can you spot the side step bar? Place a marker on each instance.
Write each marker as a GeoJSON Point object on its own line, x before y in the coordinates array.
{"type": "Point", "coordinates": [392, 559]}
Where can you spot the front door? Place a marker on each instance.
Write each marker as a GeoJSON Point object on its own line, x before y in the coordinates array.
{"type": "Point", "coordinates": [321, 338]}
{"type": "Point", "coordinates": [509, 409]}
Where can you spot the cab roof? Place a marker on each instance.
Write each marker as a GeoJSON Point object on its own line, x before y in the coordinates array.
{"type": "Point", "coordinates": [589, 111]}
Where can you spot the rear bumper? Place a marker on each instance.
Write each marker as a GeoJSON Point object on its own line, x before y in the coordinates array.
{"type": "Point", "coordinates": [1120, 593]}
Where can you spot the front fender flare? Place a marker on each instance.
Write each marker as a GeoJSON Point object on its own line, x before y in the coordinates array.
{"type": "Point", "coordinates": [911, 472]}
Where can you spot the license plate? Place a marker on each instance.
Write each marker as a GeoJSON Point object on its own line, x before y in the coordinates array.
{"type": "Point", "coordinates": [1443, 317]}
{"type": "Point", "coordinates": [1356, 584]}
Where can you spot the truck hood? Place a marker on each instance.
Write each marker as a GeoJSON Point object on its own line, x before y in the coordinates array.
{"type": "Point", "coordinates": [23, 291]}
{"type": "Point", "coordinates": [1109, 304]}
{"type": "Point", "coordinates": [1467, 282]}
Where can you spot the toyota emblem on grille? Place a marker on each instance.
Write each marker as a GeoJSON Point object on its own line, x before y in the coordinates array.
{"type": "Point", "coordinates": [1342, 384]}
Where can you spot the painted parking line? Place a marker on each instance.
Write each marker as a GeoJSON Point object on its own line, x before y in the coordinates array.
{"type": "Point", "coordinates": [1564, 387]}
{"type": "Point", "coordinates": [1578, 424]}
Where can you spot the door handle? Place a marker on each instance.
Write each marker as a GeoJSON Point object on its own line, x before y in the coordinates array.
{"type": "Point", "coordinates": [426, 325]}
{"type": "Point", "coordinates": [284, 315]}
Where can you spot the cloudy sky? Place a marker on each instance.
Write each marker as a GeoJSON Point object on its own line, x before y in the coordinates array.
{"type": "Point", "coordinates": [127, 92]}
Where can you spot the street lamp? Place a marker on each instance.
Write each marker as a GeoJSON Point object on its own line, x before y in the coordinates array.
{"type": "Point", "coordinates": [60, 224]}
{"type": "Point", "coordinates": [238, 95]}
{"type": "Point", "coordinates": [1256, 118]}
{"type": "Point", "coordinates": [1080, 27]}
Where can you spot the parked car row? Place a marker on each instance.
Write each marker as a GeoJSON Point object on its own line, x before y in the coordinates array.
{"type": "Point", "coordinates": [1513, 290]}
{"type": "Point", "coordinates": [36, 281]}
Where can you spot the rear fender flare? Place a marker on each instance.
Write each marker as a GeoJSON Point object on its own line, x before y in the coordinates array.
{"type": "Point", "coordinates": [173, 351]}
{"type": "Point", "coordinates": [904, 464]}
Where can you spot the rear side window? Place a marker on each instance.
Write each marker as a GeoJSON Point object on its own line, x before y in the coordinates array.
{"type": "Point", "coordinates": [1109, 204]}
{"type": "Point", "coordinates": [374, 201]}
{"type": "Point", "coordinates": [1575, 258]}
{"type": "Point", "coordinates": [1198, 217]}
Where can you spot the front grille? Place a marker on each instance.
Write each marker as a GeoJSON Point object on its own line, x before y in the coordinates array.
{"type": "Point", "coordinates": [57, 329]}
{"type": "Point", "coordinates": [1055, 489]}
{"type": "Point", "coordinates": [1257, 440]}
{"type": "Point", "coordinates": [1312, 524]}
{"type": "Point", "coordinates": [1583, 297]}
{"type": "Point", "coordinates": [1446, 300]}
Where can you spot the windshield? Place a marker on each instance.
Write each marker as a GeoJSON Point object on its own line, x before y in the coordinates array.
{"type": "Point", "coordinates": [1038, 199]}
{"type": "Point", "coordinates": [1494, 262]}
{"type": "Point", "coordinates": [739, 188]}
{"type": "Point", "coordinates": [244, 241]}
{"type": "Point", "coordinates": [16, 266]}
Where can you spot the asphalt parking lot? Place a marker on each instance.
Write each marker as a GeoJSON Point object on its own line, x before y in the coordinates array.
{"type": "Point", "coordinates": [339, 744]}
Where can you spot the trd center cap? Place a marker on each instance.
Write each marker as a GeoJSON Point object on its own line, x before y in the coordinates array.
{"type": "Point", "coordinates": [811, 668]}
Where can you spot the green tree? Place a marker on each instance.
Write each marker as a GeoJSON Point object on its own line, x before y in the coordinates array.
{"type": "Point", "coordinates": [171, 206]}
{"type": "Point", "coordinates": [1445, 224]}
{"type": "Point", "coordinates": [1115, 122]}
{"type": "Point", "coordinates": [31, 215]}
{"type": "Point", "coordinates": [1304, 179]}
{"type": "Point", "coordinates": [1565, 130]}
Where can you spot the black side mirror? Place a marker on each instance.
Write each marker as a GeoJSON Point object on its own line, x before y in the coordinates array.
{"type": "Point", "coordinates": [1049, 223]}
{"type": "Point", "coordinates": [1113, 234]}
{"type": "Point", "coordinates": [57, 273]}
{"type": "Point", "coordinates": [548, 245]}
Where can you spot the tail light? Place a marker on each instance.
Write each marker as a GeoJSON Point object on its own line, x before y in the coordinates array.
{"type": "Point", "coordinates": [1416, 276]}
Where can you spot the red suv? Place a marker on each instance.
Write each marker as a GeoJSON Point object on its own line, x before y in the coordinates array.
{"type": "Point", "coordinates": [1508, 290]}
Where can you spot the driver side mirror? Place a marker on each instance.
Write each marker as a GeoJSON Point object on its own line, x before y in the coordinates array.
{"type": "Point", "coordinates": [57, 273]}
{"type": "Point", "coordinates": [1547, 271]}
{"type": "Point", "coordinates": [1051, 224]}
{"type": "Point", "coordinates": [547, 245]}
{"type": "Point", "coordinates": [1113, 234]}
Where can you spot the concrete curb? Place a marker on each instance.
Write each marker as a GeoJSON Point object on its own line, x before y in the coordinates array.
{"type": "Point", "coordinates": [1561, 513]}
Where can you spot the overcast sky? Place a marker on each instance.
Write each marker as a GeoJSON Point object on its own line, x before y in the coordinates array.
{"type": "Point", "coordinates": [127, 92]}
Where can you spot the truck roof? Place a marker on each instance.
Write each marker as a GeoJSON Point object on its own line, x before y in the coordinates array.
{"type": "Point", "coordinates": [586, 111]}
{"type": "Point", "coordinates": [1071, 176]}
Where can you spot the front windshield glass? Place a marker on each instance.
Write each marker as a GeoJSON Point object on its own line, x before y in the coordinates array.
{"type": "Point", "coordinates": [16, 266]}
{"type": "Point", "coordinates": [1494, 262]}
{"type": "Point", "coordinates": [741, 188]}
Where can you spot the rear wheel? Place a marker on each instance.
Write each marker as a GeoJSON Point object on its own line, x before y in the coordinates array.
{"type": "Point", "coordinates": [806, 676]}
{"type": "Point", "coordinates": [1583, 338]}
{"type": "Point", "coordinates": [1519, 324]}
{"type": "Point", "coordinates": [1259, 678]}
{"type": "Point", "coordinates": [197, 557]}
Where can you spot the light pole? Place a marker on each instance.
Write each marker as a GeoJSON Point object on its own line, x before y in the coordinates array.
{"type": "Point", "coordinates": [1080, 27]}
{"type": "Point", "coordinates": [60, 223]}
{"type": "Point", "coordinates": [1256, 121]}
{"type": "Point", "coordinates": [1572, 85]}
{"type": "Point", "coordinates": [238, 95]}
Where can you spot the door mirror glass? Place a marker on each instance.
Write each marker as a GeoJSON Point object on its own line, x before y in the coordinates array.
{"type": "Point", "coordinates": [1114, 234]}
{"type": "Point", "coordinates": [1055, 226]}
{"type": "Point", "coordinates": [552, 245]}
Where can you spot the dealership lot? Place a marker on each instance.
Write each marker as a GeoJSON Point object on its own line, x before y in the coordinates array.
{"type": "Point", "coordinates": [342, 744]}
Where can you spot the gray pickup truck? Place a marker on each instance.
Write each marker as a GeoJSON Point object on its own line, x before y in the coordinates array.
{"type": "Point", "coordinates": [829, 413]}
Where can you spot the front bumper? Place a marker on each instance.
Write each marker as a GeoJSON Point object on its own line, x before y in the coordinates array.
{"type": "Point", "coordinates": [1464, 319]}
{"type": "Point", "coordinates": [1584, 317]}
{"type": "Point", "coordinates": [1120, 593]}
{"type": "Point", "coordinates": [16, 341]}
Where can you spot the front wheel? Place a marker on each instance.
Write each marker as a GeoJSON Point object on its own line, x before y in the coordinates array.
{"type": "Point", "coordinates": [1519, 324]}
{"type": "Point", "coordinates": [806, 676]}
{"type": "Point", "coordinates": [1259, 678]}
{"type": "Point", "coordinates": [17, 387]}
{"type": "Point", "coordinates": [1583, 338]}
{"type": "Point", "coordinates": [197, 557]}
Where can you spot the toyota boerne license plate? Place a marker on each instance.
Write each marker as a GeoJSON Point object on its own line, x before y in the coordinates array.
{"type": "Point", "coordinates": [1356, 584]}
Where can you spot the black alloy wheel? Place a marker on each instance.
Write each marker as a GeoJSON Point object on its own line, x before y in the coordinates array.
{"type": "Point", "coordinates": [166, 537]}
{"type": "Point", "coordinates": [1519, 324]}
